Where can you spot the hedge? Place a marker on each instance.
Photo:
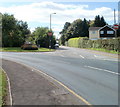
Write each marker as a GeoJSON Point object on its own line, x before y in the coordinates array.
{"type": "Point", "coordinates": [108, 44]}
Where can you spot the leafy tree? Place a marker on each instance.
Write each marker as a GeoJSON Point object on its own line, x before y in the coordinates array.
{"type": "Point", "coordinates": [0, 30]}
{"type": "Point", "coordinates": [64, 33]}
{"type": "Point", "coordinates": [78, 28]}
{"type": "Point", "coordinates": [42, 38]}
{"type": "Point", "coordinates": [23, 30]}
{"type": "Point", "coordinates": [13, 31]}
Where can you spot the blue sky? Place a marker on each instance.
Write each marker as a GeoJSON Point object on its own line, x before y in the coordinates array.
{"type": "Point", "coordinates": [37, 13]}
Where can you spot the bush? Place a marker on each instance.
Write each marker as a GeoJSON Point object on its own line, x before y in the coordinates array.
{"type": "Point", "coordinates": [29, 47]}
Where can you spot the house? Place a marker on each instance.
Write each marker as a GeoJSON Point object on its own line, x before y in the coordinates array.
{"type": "Point", "coordinates": [101, 32]}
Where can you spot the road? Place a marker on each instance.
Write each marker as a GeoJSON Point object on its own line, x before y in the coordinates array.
{"type": "Point", "coordinates": [91, 74]}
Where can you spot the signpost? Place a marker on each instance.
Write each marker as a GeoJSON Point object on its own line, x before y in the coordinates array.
{"type": "Point", "coordinates": [50, 35]}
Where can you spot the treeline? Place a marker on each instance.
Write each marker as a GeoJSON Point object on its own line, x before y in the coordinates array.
{"type": "Point", "coordinates": [15, 33]}
{"type": "Point", "coordinates": [79, 28]}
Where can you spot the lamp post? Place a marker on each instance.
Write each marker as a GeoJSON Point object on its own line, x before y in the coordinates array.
{"type": "Point", "coordinates": [50, 30]}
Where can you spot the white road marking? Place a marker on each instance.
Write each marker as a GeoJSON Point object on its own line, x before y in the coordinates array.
{"type": "Point", "coordinates": [105, 59]}
{"type": "Point", "coordinates": [62, 55]}
{"type": "Point", "coordinates": [81, 56]}
{"type": "Point", "coordinates": [103, 70]}
{"type": "Point", "coordinates": [95, 56]}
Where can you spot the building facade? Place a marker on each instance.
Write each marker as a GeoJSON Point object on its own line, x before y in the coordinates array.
{"type": "Point", "coordinates": [101, 32]}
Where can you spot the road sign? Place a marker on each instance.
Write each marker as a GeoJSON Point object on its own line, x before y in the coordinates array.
{"type": "Point", "coordinates": [50, 33]}
{"type": "Point", "coordinates": [116, 26]}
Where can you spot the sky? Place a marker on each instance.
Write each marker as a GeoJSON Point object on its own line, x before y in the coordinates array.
{"type": "Point", "coordinates": [37, 12]}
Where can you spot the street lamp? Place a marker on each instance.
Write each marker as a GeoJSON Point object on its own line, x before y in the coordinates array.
{"type": "Point", "coordinates": [50, 30]}
{"type": "Point", "coordinates": [50, 19]}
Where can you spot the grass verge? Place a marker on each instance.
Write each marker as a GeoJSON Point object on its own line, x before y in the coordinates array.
{"type": "Point", "coordinates": [104, 50]}
{"type": "Point", "coordinates": [3, 87]}
{"type": "Point", "coordinates": [18, 49]}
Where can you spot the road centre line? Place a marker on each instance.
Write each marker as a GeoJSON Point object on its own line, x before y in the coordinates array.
{"type": "Point", "coordinates": [81, 56]}
{"type": "Point", "coordinates": [103, 70]}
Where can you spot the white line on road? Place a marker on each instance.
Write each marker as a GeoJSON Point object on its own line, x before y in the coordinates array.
{"type": "Point", "coordinates": [62, 55]}
{"type": "Point", "coordinates": [103, 70]}
{"type": "Point", "coordinates": [105, 59]}
{"type": "Point", "coordinates": [81, 56]}
{"type": "Point", "coordinates": [95, 56]}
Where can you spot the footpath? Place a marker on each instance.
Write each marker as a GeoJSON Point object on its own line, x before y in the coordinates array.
{"type": "Point", "coordinates": [30, 87]}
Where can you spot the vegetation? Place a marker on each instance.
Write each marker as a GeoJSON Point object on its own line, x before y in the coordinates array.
{"type": "Point", "coordinates": [79, 28]}
{"type": "Point", "coordinates": [18, 49]}
{"type": "Point", "coordinates": [3, 87]}
{"type": "Point", "coordinates": [14, 32]}
{"type": "Point", "coordinates": [99, 21]}
{"type": "Point", "coordinates": [111, 45]}
{"type": "Point", "coordinates": [29, 47]}
{"type": "Point", "coordinates": [42, 38]}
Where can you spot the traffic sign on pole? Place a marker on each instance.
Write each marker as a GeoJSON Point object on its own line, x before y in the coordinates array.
{"type": "Point", "coordinates": [116, 26]}
{"type": "Point", "coordinates": [50, 33]}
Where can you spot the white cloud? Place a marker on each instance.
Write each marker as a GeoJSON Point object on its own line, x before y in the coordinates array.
{"type": "Point", "coordinates": [40, 13]}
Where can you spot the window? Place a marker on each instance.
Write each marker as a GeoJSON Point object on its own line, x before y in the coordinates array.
{"type": "Point", "coordinates": [101, 32]}
{"type": "Point", "coordinates": [110, 32]}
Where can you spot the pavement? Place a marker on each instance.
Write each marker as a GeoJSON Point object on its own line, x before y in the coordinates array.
{"type": "Point", "coordinates": [90, 74]}
{"type": "Point", "coordinates": [30, 87]}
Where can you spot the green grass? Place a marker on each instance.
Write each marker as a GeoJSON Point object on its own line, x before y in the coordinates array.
{"type": "Point", "coordinates": [3, 87]}
{"type": "Point", "coordinates": [18, 49]}
{"type": "Point", "coordinates": [104, 50]}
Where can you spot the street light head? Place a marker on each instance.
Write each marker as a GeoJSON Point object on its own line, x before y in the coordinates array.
{"type": "Point", "coordinates": [54, 13]}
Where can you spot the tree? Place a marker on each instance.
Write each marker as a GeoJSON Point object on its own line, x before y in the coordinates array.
{"type": "Point", "coordinates": [13, 31]}
{"type": "Point", "coordinates": [103, 23]}
{"type": "Point", "coordinates": [99, 21]}
{"type": "Point", "coordinates": [0, 29]}
{"type": "Point", "coordinates": [64, 33]}
{"type": "Point", "coordinates": [23, 30]}
{"type": "Point", "coordinates": [42, 38]}
{"type": "Point", "coordinates": [84, 28]}
{"type": "Point", "coordinates": [78, 28]}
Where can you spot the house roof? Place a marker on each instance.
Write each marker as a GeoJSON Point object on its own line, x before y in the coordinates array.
{"type": "Point", "coordinates": [107, 26]}
{"type": "Point", "coordinates": [99, 28]}
{"type": "Point", "coordinates": [94, 28]}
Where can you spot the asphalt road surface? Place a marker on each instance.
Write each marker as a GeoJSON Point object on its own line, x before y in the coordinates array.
{"type": "Point", "coordinates": [91, 74]}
